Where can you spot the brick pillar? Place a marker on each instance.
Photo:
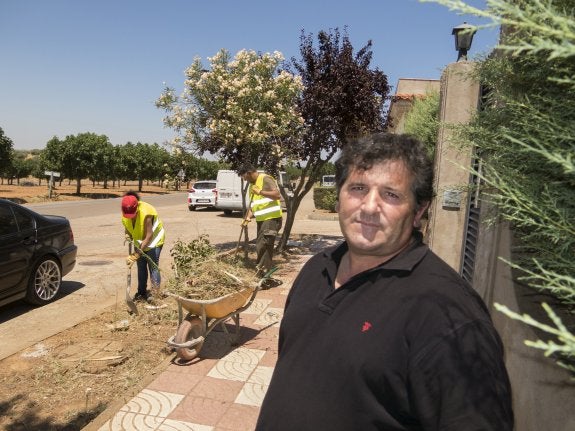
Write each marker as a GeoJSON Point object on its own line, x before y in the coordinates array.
{"type": "Point", "coordinates": [448, 211]}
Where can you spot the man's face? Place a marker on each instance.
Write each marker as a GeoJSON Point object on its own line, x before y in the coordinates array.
{"type": "Point", "coordinates": [249, 177]}
{"type": "Point", "coordinates": [377, 209]}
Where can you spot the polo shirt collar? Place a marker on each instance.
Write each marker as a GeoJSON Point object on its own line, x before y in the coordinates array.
{"type": "Point", "coordinates": [404, 261]}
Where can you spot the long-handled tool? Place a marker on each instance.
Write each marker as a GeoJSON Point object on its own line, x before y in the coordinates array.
{"type": "Point", "coordinates": [131, 305]}
{"type": "Point", "coordinates": [244, 228]}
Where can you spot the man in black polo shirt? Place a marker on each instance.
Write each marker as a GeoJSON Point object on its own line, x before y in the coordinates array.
{"type": "Point", "coordinates": [379, 333]}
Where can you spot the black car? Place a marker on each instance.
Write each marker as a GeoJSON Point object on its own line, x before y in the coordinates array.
{"type": "Point", "coordinates": [36, 251]}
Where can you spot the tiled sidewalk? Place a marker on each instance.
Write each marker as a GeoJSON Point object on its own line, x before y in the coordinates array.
{"type": "Point", "coordinates": [224, 388]}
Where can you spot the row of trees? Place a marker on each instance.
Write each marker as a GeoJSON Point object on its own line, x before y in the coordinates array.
{"type": "Point", "coordinates": [92, 156]}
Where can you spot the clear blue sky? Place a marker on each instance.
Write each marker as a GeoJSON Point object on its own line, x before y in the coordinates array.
{"type": "Point", "coordinates": [73, 66]}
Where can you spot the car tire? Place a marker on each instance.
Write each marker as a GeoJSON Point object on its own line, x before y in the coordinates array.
{"type": "Point", "coordinates": [192, 208]}
{"type": "Point", "coordinates": [45, 281]}
{"type": "Point", "coordinates": [228, 212]}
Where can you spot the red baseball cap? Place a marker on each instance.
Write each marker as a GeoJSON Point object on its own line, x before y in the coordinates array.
{"type": "Point", "coordinates": [129, 206]}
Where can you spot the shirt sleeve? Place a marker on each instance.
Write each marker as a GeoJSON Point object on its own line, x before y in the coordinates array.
{"type": "Point", "coordinates": [269, 183]}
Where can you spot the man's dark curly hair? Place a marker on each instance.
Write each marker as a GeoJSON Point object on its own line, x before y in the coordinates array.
{"type": "Point", "coordinates": [362, 153]}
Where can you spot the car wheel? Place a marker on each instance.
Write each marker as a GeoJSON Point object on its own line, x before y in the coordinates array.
{"type": "Point", "coordinates": [44, 283]}
{"type": "Point", "coordinates": [192, 208]}
{"type": "Point", "coordinates": [228, 212]}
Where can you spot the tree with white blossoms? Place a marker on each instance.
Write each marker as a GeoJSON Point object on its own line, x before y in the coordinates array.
{"type": "Point", "coordinates": [242, 109]}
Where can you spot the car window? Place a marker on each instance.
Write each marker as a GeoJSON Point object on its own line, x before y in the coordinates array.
{"type": "Point", "coordinates": [25, 221]}
{"type": "Point", "coordinates": [7, 221]}
{"type": "Point", "coordinates": [203, 186]}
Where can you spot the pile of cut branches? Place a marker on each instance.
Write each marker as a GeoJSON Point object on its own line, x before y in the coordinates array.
{"type": "Point", "coordinates": [201, 273]}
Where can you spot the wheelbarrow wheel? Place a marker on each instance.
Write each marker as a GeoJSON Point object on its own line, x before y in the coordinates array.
{"type": "Point", "coordinates": [190, 329]}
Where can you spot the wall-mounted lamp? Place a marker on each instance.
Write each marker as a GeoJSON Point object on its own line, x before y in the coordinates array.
{"type": "Point", "coordinates": [463, 37]}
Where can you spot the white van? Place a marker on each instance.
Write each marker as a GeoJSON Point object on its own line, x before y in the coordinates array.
{"type": "Point", "coordinates": [230, 186]}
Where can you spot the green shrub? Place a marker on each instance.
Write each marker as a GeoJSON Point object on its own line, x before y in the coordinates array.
{"type": "Point", "coordinates": [325, 198]}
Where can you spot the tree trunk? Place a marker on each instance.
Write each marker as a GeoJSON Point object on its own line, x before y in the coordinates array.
{"type": "Point", "coordinates": [140, 184]}
{"type": "Point", "coordinates": [78, 185]}
{"type": "Point", "coordinates": [293, 204]}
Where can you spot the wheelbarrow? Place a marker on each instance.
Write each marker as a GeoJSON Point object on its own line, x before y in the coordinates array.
{"type": "Point", "coordinates": [205, 315]}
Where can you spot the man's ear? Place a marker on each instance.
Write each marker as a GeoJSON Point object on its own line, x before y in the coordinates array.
{"type": "Point", "coordinates": [419, 213]}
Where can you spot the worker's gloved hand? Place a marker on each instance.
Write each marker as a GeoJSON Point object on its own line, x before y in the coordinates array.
{"type": "Point", "coordinates": [131, 259]}
{"type": "Point", "coordinates": [257, 190]}
{"type": "Point", "coordinates": [246, 221]}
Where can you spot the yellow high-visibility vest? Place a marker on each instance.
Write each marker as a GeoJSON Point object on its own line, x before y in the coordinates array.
{"type": "Point", "coordinates": [136, 229]}
{"type": "Point", "coordinates": [264, 208]}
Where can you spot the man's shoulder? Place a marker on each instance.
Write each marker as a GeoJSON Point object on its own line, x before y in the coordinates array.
{"type": "Point", "coordinates": [147, 208]}
{"type": "Point", "coordinates": [269, 181]}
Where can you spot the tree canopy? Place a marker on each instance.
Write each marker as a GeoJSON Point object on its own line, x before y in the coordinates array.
{"type": "Point", "coordinates": [422, 120]}
{"type": "Point", "coordinates": [6, 148]}
{"type": "Point", "coordinates": [342, 97]}
{"type": "Point", "coordinates": [242, 109]}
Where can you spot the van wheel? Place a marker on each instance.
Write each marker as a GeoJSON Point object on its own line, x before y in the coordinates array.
{"type": "Point", "coordinates": [192, 208]}
{"type": "Point", "coordinates": [228, 212]}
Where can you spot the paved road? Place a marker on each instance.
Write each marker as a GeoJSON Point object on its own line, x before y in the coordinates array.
{"type": "Point", "coordinates": [99, 278]}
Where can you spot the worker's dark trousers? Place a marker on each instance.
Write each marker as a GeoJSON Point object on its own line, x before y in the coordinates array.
{"type": "Point", "coordinates": [267, 232]}
{"type": "Point", "coordinates": [144, 265]}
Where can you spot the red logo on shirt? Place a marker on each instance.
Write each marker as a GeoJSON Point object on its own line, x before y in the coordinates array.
{"type": "Point", "coordinates": [366, 327]}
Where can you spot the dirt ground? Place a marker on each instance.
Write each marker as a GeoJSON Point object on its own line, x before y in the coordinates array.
{"type": "Point", "coordinates": [28, 191]}
{"type": "Point", "coordinates": [67, 380]}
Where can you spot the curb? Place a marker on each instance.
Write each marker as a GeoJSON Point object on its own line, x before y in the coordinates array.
{"type": "Point", "coordinates": [323, 216]}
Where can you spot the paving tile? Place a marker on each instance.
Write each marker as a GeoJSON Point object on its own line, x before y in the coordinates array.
{"type": "Point", "coordinates": [217, 389]}
{"type": "Point", "coordinates": [244, 356]}
{"type": "Point", "coordinates": [216, 346]}
{"type": "Point", "coordinates": [200, 410]}
{"type": "Point", "coordinates": [254, 390]}
{"type": "Point", "coordinates": [131, 421]}
{"type": "Point", "coordinates": [232, 370]}
{"type": "Point", "coordinates": [257, 306]}
{"type": "Point", "coordinates": [154, 403]}
{"type": "Point", "coordinates": [272, 316]}
{"type": "Point", "coordinates": [175, 382]}
{"type": "Point", "coordinates": [261, 343]}
{"type": "Point", "coordinates": [271, 357]}
{"type": "Point", "coordinates": [199, 366]}
{"type": "Point", "coordinates": [239, 418]}
{"type": "Point", "coordinates": [261, 375]}
{"type": "Point", "coordinates": [246, 319]}
{"type": "Point", "coordinates": [252, 394]}
{"type": "Point", "coordinates": [172, 425]}
{"type": "Point", "coordinates": [278, 301]}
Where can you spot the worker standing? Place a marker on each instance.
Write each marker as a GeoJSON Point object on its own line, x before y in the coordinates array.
{"type": "Point", "coordinates": [145, 230]}
{"type": "Point", "coordinates": [265, 207]}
